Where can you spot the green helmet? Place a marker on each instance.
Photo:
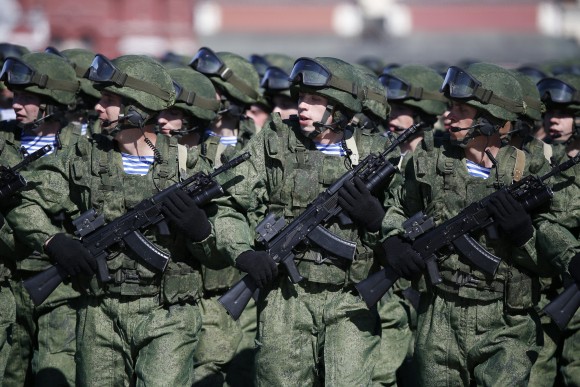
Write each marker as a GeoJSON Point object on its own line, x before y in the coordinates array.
{"type": "Point", "coordinates": [489, 88]}
{"type": "Point", "coordinates": [416, 86]}
{"type": "Point", "coordinates": [534, 107]}
{"type": "Point", "coordinates": [138, 78]}
{"type": "Point", "coordinates": [81, 60]}
{"type": "Point", "coordinates": [282, 61]}
{"type": "Point", "coordinates": [332, 78]}
{"type": "Point", "coordinates": [43, 74]}
{"type": "Point", "coordinates": [230, 73]}
{"type": "Point", "coordinates": [375, 95]}
{"type": "Point", "coordinates": [561, 91]}
{"type": "Point", "coordinates": [194, 93]}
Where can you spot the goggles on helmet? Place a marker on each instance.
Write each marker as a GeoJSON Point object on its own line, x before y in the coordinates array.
{"type": "Point", "coordinates": [259, 63]}
{"type": "Point", "coordinates": [311, 73]}
{"type": "Point", "coordinates": [555, 90]}
{"type": "Point", "coordinates": [458, 83]}
{"type": "Point", "coordinates": [398, 89]}
{"type": "Point", "coordinates": [102, 70]}
{"type": "Point", "coordinates": [16, 72]}
{"type": "Point", "coordinates": [193, 99]}
{"type": "Point", "coordinates": [532, 72]}
{"type": "Point", "coordinates": [207, 62]}
{"type": "Point", "coordinates": [275, 79]}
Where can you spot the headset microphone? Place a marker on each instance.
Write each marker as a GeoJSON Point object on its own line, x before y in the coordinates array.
{"type": "Point", "coordinates": [455, 130]}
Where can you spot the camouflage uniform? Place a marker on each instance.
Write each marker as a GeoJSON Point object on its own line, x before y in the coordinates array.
{"type": "Point", "coordinates": [472, 328]}
{"type": "Point", "coordinates": [225, 355]}
{"type": "Point", "coordinates": [44, 341]}
{"type": "Point", "coordinates": [142, 327]}
{"type": "Point", "coordinates": [316, 331]}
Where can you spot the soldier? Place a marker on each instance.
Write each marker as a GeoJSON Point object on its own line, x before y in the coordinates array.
{"type": "Point", "coordinates": [472, 327]}
{"type": "Point", "coordinates": [195, 107]}
{"type": "Point", "coordinates": [14, 51]}
{"type": "Point", "coordinates": [237, 84]}
{"type": "Point", "coordinates": [414, 97]}
{"type": "Point", "coordinates": [276, 87]}
{"type": "Point", "coordinates": [142, 326]}
{"type": "Point", "coordinates": [226, 347]}
{"type": "Point", "coordinates": [316, 331]}
{"type": "Point", "coordinates": [44, 87]}
{"type": "Point", "coordinates": [558, 238]}
{"type": "Point", "coordinates": [413, 93]}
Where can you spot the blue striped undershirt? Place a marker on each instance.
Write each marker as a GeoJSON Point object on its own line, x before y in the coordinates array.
{"type": "Point", "coordinates": [137, 165]}
{"type": "Point", "coordinates": [335, 149]}
{"type": "Point", "coordinates": [226, 140]}
{"type": "Point", "coordinates": [33, 143]}
{"type": "Point", "coordinates": [476, 170]}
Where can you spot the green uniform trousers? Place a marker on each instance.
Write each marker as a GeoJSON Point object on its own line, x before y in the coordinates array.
{"type": "Point", "coordinates": [570, 362]}
{"type": "Point", "coordinates": [44, 341]}
{"type": "Point", "coordinates": [396, 337]}
{"type": "Point", "coordinates": [461, 342]}
{"type": "Point", "coordinates": [7, 319]}
{"type": "Point", "coordinates": [313, 334]}
{"type": "Point", "coordinates": [130, 340]}
{"type": "Point", "coordinates": [225, 354]}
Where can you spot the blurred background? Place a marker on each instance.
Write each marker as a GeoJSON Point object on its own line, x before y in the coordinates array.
{"type": "Point", "coordinates": [430, 32]}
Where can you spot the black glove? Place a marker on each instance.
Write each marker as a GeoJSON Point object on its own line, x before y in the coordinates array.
{"type": "Point", "coordinates": [181, 211]}
{"type": "Point", "coordinates": [258, 265]}
{"type": "Point", "coordinates": [574, 268]}
{"type": "Point", "coordinates": [71, 255]}
{"type": "Point", "coordinates": [362, 207]}
{"type": "Point", "coordinates": [400, 256]}
{"type": "Point", "coordinates": [511, 217]}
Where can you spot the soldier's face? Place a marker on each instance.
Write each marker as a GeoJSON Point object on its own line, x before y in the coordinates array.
{"type": "Point", "coordinates": [26, 106]}
{"type": "Point", "coordinates": [170, 120]}
{"type": "Point", "coordinates": [109, 108]}
{"type": "Point", "coordinates": [461, 116]}
{"type": "Point", "coordinates": [285, 105]}
{"type": "Point", "coordinates": [311, 108]}
{"type": "Point", "coordinates": [259, 115]}
{"type": "Point", "coordinates": [400, 118]}
{"type": "Point", "coordinates": [559, 124]}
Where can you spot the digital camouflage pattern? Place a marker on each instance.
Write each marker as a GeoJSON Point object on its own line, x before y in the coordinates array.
{"type": "Point", "coordinates": [477, 311]}
{"type": "Point", "coordinates": [320, 313]}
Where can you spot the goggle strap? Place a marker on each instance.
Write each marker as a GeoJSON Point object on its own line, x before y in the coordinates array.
{"type": "Point", "coordinates": [343, 85]}
{"type": "Point", "coordinates": [375, 96]}
{"type": "Point", "coordinates": [535, 104]}
{"type": "Point", "coordinates": [229, 76]}
{"type": "Point", "coordinates": [486, 96]}
{"type": "Point", "coordinates": [192, 99]}
{"type": "Point", "coordinates": [43, 81]}
{"type": "Point", "coordinates": [143, 86]}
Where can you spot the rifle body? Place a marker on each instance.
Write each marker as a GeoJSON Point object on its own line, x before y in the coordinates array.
{"type": "Point", "coordinates": [280, 240]}
{"type": "Point", "coordinates": [431, 241]}
{"type": "Point", "coordinates": [126, 231]}
{"type": "Point", "coordinates": [11, 181]}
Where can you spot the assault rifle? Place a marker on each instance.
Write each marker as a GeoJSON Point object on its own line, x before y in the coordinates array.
{"type": "Point", "coordinates": [280, 240]}
{"type": "Point", "coordinates": [10, 180]}
{"type": "Point", "coordinates": [430, 241]}
{"type": "Point", "coordinates": [562, 308]}
{"type": "Point", "coordinates": [97, 237]}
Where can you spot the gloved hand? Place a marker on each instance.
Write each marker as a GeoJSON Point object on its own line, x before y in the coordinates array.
{"type": "Point", "coordinates": [71, 255]}
{"type": "Point", "coordinates": [258, 265]}
{"type": "Point", "coordinates": [181, 211]}
{"type": "Point", "coordinates": [400, 256]}
{"type": "Point", "coordinates": [574, 268]}
{"type": "Point", "coordinates": [511, 218]}
{"type": "Point", "coordinates": [362, 207]}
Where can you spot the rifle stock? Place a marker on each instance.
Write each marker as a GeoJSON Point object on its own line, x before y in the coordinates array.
{"type": "Point", "coordinates": [98, 237]}
{"type": "Point", "coordinates": [429, 240]}
{"type": "Point", "coordinates": [280, 239]}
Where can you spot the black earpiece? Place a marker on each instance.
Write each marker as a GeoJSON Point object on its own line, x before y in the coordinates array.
{"type": "Point", "coordinates": [134, 116]}
{"type": "Point", "coordinates": [485, 127]}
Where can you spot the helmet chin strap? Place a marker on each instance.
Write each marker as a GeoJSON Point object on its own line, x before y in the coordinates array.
{"type": "Point", "coordinates": [321, 126]}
